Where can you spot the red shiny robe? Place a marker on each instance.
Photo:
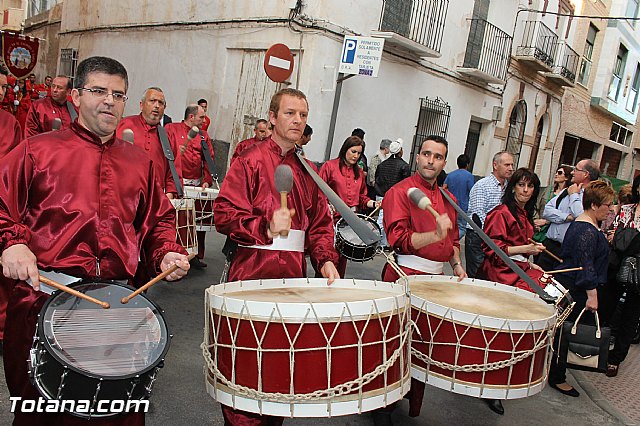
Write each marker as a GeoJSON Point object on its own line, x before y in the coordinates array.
{"type": "Point", "coordinates": [502, 228]}
{"type": "Point", "coordinates": [402, 218]}
{"type": "Point", "coordinates": [22, 109]}
{"type": "Point", "coordinates": [243, 210]}
{"type": "Point", "coordinates": [206, 123]}
{"type": "Point", "coordinates": [65, 197]}
{"type": "Point", "coordinates": [191, 163]}
{"type": "Point", "coordinates": [10, 133]}
{"type": "Point", "coordinates": [242, 145]}
{"type": "Point", "coordinates": [41, 115]}
{"type": "Point", "coordinates": [352, 190]}
{"type": "Point", "coordinates": [146, 138]}
{"type": "Point", "coordinates": [246, 203]}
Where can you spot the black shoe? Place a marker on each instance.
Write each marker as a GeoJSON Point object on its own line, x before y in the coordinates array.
{"type": "Point", "coordinates": [573, 392]}
{"type": "Point", "coordinates": [197, 263]}
{"type": "Point", "coordinates": [495, 405]}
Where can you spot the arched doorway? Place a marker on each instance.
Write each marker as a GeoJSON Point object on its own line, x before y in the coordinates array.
{"type": "Point", "coordinates": [517, 122]}
{"type": "Point", "coordinates": [535, 149]}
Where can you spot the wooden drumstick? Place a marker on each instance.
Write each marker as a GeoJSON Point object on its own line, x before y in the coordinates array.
{"type": "Point", "coordinates": [559, 271]}
{"type": "Point", "coordinates": [169, 271]}
{"type": "Point", "coordinates": [547, 251]}
{"type": "Point", "coordinates": [73, 292]}
{"type": "Point", "coordinates": [283, 180]}
{"type": "Point", "coordinates": [421, 200]}
{"type": "Point", "coordinates": [374, 211]}
{"type": "Point", "coordinates": [193, 132]}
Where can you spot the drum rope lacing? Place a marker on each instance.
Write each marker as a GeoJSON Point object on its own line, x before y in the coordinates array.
{"type": "Point", "coordinates": [335, 391]}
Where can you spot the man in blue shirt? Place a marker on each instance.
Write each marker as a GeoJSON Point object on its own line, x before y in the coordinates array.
{"type": "Point", "coordinates": [459, 183]}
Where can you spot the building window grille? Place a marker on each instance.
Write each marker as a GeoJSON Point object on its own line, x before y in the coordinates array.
{"type": "Point", "coordinates": [433, 119]}
{"type": "Point", "coordinates": [68, 63]}
{"type": "Point", "coordinates": [517, 123]}
{"type": "Point", "coordinates": [585, 66]}
{"type": "Point", "coordinates": [618, 71]}
{"type": "Point", "coordinates": [620, 134]}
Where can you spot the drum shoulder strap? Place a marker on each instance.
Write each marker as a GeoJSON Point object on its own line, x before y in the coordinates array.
{"type": "Point", "coordinates": [207, 156]}
{"type": "Point", "coordinates": [72, 111]}
{"type": "Point", "coordinates": [168, 153]}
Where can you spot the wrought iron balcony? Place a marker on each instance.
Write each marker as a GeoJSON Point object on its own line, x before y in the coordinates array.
{"type": "Point", "coordinates": [487, 54]}
{"type": "Point", "coordinates": [413, 25]}
{"type": "Point", "coordinates": [538, 46]}
{"type": "Point", "coordinates": [565, 66]}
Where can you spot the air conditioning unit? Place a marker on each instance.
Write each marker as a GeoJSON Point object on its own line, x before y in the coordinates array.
{"type": "Point", "coordinates": [496, 114]}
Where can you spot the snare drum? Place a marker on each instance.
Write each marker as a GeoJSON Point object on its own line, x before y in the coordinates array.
{"type": "Point", "coordinates": [299, 348]}
{"type": "Point", "coordinates": [480, 338]}
{"type": "Point", "coordinates": [351, 246]}
{"type": "Point", "coordinates": [204, 198]}
{"type": "Point", "coordinates": [186, 224]}
{"type": "Point", "coordinates": [84, 352]}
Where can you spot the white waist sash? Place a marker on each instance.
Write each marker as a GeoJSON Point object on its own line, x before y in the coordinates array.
{"type": "Point", "coordinates": [293, 242]}
{"type": "Point", "coordinates": [192, 182]}
{"type": "Point", "coordinates": [420, 264]}
{"type": "Point", "coordinates": [519, 258]}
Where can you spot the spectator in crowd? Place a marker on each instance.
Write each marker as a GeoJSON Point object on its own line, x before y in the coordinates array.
{"type": "Point", "coordinates": [375, 161]}
{"type": "Point", "coordinates": [259, 134]}
{"type": "Point", "coordinates": [206, 122]}
{"type": "Point", "coordinates": [484, 196]}
{"type": "Point", "coordinates": [304, 139]}
{"type": "Point", "coordinates": [561, 180]}
{"type": "Point", "coordinates": [459, 183]}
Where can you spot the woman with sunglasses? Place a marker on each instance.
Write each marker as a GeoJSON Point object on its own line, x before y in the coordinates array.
{"type": "Point", "coordinates": [561, 180]}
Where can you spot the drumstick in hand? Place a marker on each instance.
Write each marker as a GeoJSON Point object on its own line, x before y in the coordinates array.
{"type": "Point", "coordinates": [193, 132]}
{"type": "Point", "coordinates": [559, 271]}
{"type": "Point", "coordinates": [547, 251]}
{"type": "Point", "coordinates": [127, 135]}
{"type": "Point", "coordinates": [56, 124]}
{"type": "Point", "coordinates": [73, 292]}
{"type": "Point", "coordinates": [169, 271]}
{"type": "Point", "coordinates": [283, 180]}
{"type": "Point", "coordinates": [421, 200]}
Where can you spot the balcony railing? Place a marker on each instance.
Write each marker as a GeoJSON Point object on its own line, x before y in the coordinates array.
{"type": "Point", "coordinates": [421, 21]}
{"type": "Point", "coordinates": [538, 43]}
{"type": "Point", "coordinates": [565, 66]}
{"type": "Point", "coordinates": [487, 54]}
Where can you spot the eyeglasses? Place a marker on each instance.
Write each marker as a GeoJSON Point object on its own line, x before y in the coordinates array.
{"type": "Point", "coordinates": [560, 172]}
{"type": "Point", "coordinates": [580, 170]}
{"type": "Point", "coordinates": [102, 94]}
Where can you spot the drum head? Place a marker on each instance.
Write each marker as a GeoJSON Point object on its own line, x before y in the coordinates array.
{"type": "Point", "coordinates": [349, 235]}
{"type": "Point", "coordinates": [119, 342]}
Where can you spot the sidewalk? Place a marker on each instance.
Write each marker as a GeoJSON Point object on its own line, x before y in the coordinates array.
{"type": "Point", "coordinates": [620, 395]}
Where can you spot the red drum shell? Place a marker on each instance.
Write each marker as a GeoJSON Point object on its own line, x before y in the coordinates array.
{"type": "Point", "coordinates": [462, 338]}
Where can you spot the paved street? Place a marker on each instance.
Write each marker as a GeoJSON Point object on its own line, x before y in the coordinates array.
{"type": "Point", "coordinates": [179, 396]}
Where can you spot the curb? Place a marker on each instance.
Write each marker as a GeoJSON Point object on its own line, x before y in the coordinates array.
{"type": "Point", "coordinates": [597, 398]}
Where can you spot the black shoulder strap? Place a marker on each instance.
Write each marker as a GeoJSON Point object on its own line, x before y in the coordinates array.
{"type": "Point", "coordinates": [208, 158]}
{"type": "Point", "coordinates": [72, 111]}
{"type": "Point", "coordinates": [168, 153]}
{"type": "Point", "coordinates": [561, 197]}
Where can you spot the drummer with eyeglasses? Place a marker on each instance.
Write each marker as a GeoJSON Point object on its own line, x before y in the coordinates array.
{"type": "Point", "coordinates": [248, 210]}
{"type": "Point", "coordinates": [422, 242]}
{"type": "Point", "coordinates": [345, 177]}
{"type": "Point", "coordinates": [83, 203]}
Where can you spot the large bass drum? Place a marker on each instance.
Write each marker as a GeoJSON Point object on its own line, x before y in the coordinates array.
{"type": "Point", "coordinates": [82, 352]}
{"type": "Point", "coordinates": [479, 338]}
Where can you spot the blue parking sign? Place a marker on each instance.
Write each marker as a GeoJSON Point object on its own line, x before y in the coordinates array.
{"type": "Point", "coordinates": [349, 52]}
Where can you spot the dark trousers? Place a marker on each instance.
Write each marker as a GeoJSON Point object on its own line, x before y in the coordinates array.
{"type": "Point", "coordinates": [543, 260]}
{"type": "Point", "coordinates": [473, 252]}
{"type": "Point", "coordinates": [629, 317]}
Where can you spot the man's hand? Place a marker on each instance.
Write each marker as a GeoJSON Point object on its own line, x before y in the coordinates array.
{"type": "Point", "coordinates": [592, 300]}
{"type": "Point", "coordinates": [173, 258]}
{"type": "Point", "coordinates": [443, 225]}
{"type": "Point", "coordinates": [205, 184]}
{"type": "Point", "coordinates": [281, 221]}
{"type": "Point", "coordinates": [329, 271]}
{"type": "Point", "coordinates": [19, 263]}
{"type": "Point", "coordinates": [534, 248]}
{"type": "Point", "coordinates": [539, 223]}
{"type": "Point", "coordinates": [170, 195]}
{"type": "Point", "coordinates": [574, 189]}
{"type": "Point", "coordinates": [459, 272]}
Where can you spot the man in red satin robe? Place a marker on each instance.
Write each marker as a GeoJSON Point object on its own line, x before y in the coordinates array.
{"type": "Point", "coordinates": [145, 135]}
{"type": "Point", "coordinates": [192, 165]}
{"type": "Point", "coordinates": [66, 209]}
{"type": "Point", "coordinates": [260, 134]}
{"type": "Point", "coordinates": [43, 112]}
{"type": "Point", "coordinates": [10, 133]}
{"type": "Point", "coordinates": [248, 211]}
{"type": "Point", "coordinates": [422, 242]}
{"type": "Point", "coordinates": [206, 121]}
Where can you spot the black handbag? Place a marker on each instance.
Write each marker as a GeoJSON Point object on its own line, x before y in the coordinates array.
{"type": "Point", "coordinates": [628, 274]}
{"type": "Point", "coordinates": [584, 347]}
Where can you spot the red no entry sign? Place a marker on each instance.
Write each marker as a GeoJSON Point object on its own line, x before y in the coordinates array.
{"type": "Point", "coordinates": [278, 63]}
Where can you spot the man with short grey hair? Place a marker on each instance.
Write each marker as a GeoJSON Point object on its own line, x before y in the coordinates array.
{"type": "Point", "coordinates": [380, 156]}
{"type": "Point", "coordinates": [484, 196]}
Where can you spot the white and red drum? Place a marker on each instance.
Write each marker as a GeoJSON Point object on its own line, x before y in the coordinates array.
{"type": "Point", "coordinates": [203, 198]}
{"type": "Point", "coordinates": [479, 338]}
{"type": "Point", "coordinates": [300, 348]}
{"type": "Point", "coordinates": [186, 224]}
